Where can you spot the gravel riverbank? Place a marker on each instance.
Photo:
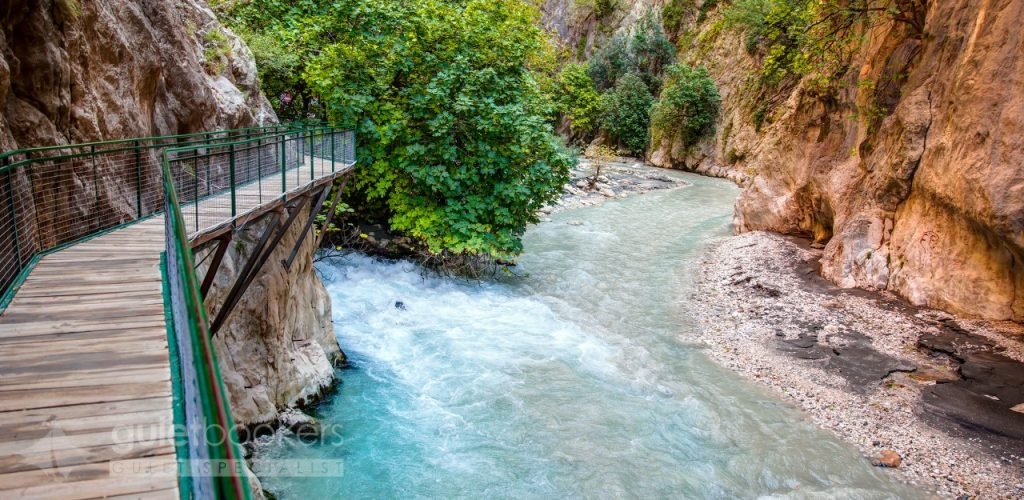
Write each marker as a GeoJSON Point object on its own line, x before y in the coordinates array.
{"type": "Point", "coordinates": [869, 367]}
{"type": "Point", "coordinates": [618, 179]}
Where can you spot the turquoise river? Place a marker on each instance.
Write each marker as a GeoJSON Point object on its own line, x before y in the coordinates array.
{"type": "Point", "coordinates": [582, 377]}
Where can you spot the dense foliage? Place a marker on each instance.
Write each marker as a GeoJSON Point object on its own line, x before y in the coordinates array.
{"type": "Point", "coordinates": [577, 99]}
{"type": "Point", "coordinates": [626, 113]}
{"type": "Point", "coordinates": [645, 53]}
{"type": "Point", "coordinates": [454, 145]}
{"type": "Point", "coordinates": [687, 106]}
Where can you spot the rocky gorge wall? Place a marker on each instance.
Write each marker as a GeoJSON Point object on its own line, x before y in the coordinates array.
{"type": "Point", "coordinates": [278, 349]}
{"type": "Point", "coordinates": [926, 202]}
{"type": "Point", "coordinates": [908, 170]}
{"type": "Point", "coordinates": [77, 71]}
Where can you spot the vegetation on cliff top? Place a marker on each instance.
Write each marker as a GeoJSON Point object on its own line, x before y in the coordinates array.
{"type": "Point", "coordinates": [455, 147]}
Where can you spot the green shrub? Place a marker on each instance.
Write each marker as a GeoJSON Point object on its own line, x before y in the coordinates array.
{"type": "Point", "coordinates": [673, 13]}
{"type": "Point", "coordinates": [645, 54]}
{"type": "Point", "coordinates": [216, 51]}
{"type": "Point", "coordinates": [626, 113]}
{"type": "Point", "coordinates": [577, 98]}
{"type": "Point", "coordinates": [688, 105]}
{"type": "Point", "coordinates": [610, 63]}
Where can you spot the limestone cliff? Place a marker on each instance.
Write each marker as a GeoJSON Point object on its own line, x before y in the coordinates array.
{"type": "Point", "coordinates": [279, 348]}
{"type": "Point", "coordinates": [925, 200]}
{"type": "Point", "coordinates": [78, 71]}
{"type": "Point", "coordinates": [908, 169]}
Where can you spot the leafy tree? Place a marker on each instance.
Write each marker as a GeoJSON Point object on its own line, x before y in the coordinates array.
{"type": "Point", "coordinates": [577, 98]}
{"type": "Point", "coordinates": [646, 52]}
{"type": "Point", "coordinates": [626, 113]}
{"type": "Point", "coordinates": [610, 63]}
{"type": "Point", "coordinates": [688, 105]}
{"type": "Point", "coordinates": [273, 30]}
{"type": "Point", "coordinates": [455, 148]}
{"type": "Point", "coordinates": [652, 51]}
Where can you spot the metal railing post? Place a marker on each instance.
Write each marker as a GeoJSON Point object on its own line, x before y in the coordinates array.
{"type": "Point", "coordinates": [95, 188]}
{"type": "Point", "coordinates": [259, 166]}
{"type": "Point", "coordinates": [231, 166]}
{"type": "Point", "coordinates": [195, 186]}
{"type": "Point", "coordinates": [138, 181]}
{"type": "Point", "coordinates": [334, 158]}
{"type": "Point", "coordinates": [14, 212]}
{"type": "Point", "coordinates": [284, 163]}
{"type": "Point", "coordinates": [312, 161]}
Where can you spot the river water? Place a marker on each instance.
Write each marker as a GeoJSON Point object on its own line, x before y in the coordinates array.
{"type": "Point", "coordinates": [581, 378]}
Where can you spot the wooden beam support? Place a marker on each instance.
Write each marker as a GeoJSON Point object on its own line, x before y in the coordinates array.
{"type": "Point", "coordinates": [211, 272]}
{"type": "Point", "coordinates": [256, 261]}
{"type": "Point", "coordinates": [314, 211]}
{"type": "Point", "coordinates": [330, 213]}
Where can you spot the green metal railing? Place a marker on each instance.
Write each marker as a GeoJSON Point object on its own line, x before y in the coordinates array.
{"type": "Point", "coordinates": [233, 177]}
{"type": "Point", "coordinates": [51, 197]}
{"type": "Point", "coordinates": [206, 185]}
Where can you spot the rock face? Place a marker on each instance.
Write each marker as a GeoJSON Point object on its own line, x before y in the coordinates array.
{"type": "Point", "coordinates": [278, 350]}
{"type": "Point", "coordinates": [907, 168]}
{"type": "Point", "coordinates": [927, 202]}
{"type": "Point", "coordinates": [74, 71]}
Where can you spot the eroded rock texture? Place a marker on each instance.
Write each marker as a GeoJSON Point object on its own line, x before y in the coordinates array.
{"type": "Point", "coordinates": [77, 71]}
{"type": "Point", "coordinates": [279, 349]}
{"type": "Point", "coordinates": [927, 200]}
{"type": "Point", "coordinates": [909, 167]}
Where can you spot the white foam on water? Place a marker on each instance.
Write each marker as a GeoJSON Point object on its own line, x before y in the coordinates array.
{"type": "Point", "coordinates": [570, 381]}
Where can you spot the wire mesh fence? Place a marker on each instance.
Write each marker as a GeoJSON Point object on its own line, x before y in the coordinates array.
{"type": "Point", "coordinates": [217, 183]}
{"type": "Point", "coordinates": [54, 196]}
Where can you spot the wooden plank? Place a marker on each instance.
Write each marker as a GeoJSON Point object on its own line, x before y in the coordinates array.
{"type": "Point", "coordinates": [14, 355]}
{"type": "Point", "coordinates": [108, 334]}
{"type": "Point", "coordinates": [88, 409]}
{"type": "Point", "coordinates": [39, 429]}
{"type": "Point", "coordinates": [33, 459]}
{"type": "Point", "coordinates": [151, 311]}
{"type": "Point", "coordinates": [82, 378]}
{"type": "Point", "coordinates": [97, 488]}
{"type": "Point", "coordinates": [165, 464]}
{"type": "Point", "coordinates": [51, 398]}
{"type": "Point", "coordinates": [141, 432]}
{"type": "Point", "coordinates": [101, 306]}
{"type": "Point", "coordinates": [54, 327]}
{"type": "Point", "coordinates": [92, 361]}
{"type": "Point", "coordinates": [72, 289]}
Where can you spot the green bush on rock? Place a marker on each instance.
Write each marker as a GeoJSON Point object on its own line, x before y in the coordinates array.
{"type": "Point", "coordinates": [626, 113]}
{"type": "Point", "coordinates": [687, 107]}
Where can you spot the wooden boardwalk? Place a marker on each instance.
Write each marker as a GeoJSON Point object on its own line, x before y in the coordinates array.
{"type": "Point", "coordinates": [85, 382]}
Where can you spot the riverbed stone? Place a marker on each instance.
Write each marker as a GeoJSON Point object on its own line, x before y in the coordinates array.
{"type": "Point", "coordinates": [887, 458]}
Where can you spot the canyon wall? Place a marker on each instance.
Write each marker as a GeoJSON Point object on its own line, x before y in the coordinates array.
{"type": "Point", "coordinates": [908, 168]}
{"type": "Point", "coordinates": [925, 200]}
{"type": "Point", "coordinates": [77, 71]}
